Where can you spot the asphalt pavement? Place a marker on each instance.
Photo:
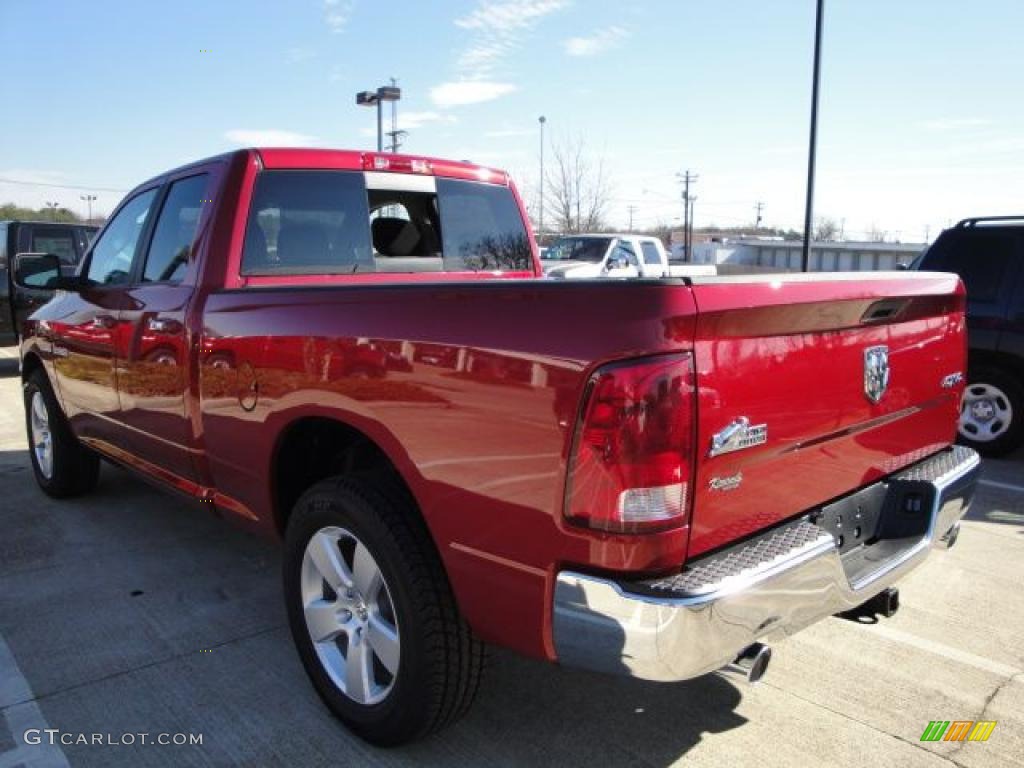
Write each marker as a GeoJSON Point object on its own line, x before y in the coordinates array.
{"type": "Point", "coordinates": [130, 612]}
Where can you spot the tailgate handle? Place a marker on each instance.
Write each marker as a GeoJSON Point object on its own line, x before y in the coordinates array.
{"type": "Point", "coordinates": [886, 309]}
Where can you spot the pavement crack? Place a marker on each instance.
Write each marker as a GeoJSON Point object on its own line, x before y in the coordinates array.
{"type": "Point", "coordinates": [847, 716]}
{"type": "Point", "coordinates": [139, 668]}
{"type": "Point", "coordinates": [984, 707]}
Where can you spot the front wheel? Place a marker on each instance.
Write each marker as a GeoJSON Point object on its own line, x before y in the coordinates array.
{"type": "Point", "coordinates": [373, 616]}
{"type": "Point", "coordinates": [992, 412]}
{"type": "Point", "coordinates": [62, 465]}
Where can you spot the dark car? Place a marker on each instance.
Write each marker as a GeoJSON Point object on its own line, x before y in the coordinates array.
{"type": "Point", "coordinates": [67, 241]}
{"type": "Point", "coordinates": [988, 253]}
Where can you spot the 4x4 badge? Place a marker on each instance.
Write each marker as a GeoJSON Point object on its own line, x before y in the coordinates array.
{"type": "Point", "coordinates": [737, 436]}
{"type": "Point", "coordinates": [876, 372]}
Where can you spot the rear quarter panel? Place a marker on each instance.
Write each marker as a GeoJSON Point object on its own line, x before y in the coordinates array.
{"type": "Point", "coordinates": [473, 402]}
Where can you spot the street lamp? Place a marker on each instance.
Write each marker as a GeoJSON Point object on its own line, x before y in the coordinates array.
{"type": "Point", "coordinates": [541, 120]}
{"type": "Point", "coordinates": [88, 201]}
{"type": "Point", "coordinates": [377, 99]}
{"type": "Point", "coordinates": [53, 209]}
{"type": "Point", "coordinates": [805, 259]}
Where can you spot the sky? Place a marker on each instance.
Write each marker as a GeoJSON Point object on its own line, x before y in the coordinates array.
{"type": "Point", "coordinates": [921, 115]}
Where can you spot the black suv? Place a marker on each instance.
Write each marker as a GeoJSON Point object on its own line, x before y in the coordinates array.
{"type": "Point", "coordinates": [988, 253]}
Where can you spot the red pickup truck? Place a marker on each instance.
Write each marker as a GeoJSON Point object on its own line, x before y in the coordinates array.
{"type": "Point", "coordinates": [357, 352]}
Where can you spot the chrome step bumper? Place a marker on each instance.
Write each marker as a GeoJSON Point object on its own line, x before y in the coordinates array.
{"type": "Point", "coordinates": [773, 585]}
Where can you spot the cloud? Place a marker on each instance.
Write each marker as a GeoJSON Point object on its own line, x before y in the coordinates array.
{"type": "Point", "coordinates": [410, 120]}
{"type": "Point", "coordinates": [336, 14]}
{"type": "Point", "coordinates": [954, 123]}
{"type": "Point", "coordinates": [461, 92]}
{"type": "Point", "coordinates": [600, 41]}
{"type": "Point", "coordinates": [269, 138]}
{"type": "Point", "coordinates": [497, 29]}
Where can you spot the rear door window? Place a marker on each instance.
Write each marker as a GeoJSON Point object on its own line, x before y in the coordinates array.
{"type": "Point", "coordinates": [175, 231]}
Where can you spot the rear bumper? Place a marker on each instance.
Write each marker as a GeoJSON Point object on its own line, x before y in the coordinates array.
{"type": "Point", "coordinates": [767, 587]}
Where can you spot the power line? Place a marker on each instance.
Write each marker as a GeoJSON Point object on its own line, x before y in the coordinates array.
{"type": "Point", "coordinates": [60, 186]}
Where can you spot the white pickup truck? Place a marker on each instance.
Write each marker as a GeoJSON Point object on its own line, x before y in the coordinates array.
{"type": "Point", "coordinates": [614, 255]}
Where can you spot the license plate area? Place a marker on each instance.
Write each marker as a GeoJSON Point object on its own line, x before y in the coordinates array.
{"type": "Point", "coordinates": [853, 520]}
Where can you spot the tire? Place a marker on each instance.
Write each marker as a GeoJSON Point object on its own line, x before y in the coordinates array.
{"type": "Point", "coordinates": [428, 678]}
{"type": "Point", "coordinates": [62, 465]}
{"type": "Point", "coordinates": [992, 412]}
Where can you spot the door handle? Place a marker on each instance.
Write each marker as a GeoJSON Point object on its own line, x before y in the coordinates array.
{"type": "Point", "coordinates": [164, 325]}
{"type": "Point", "coordinates": [106, 322]}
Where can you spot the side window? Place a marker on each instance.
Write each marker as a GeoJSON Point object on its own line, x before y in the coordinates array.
{"type": "Point", "coordinates": [981, 258]}
{"type": "Point", "coordinates": [308, 222]}
{"type": "Point", "coordinates": [175, 231]}
{"type": "Point", "coordinates": [58, 241]}
{"type": "Point", "coordinates": [111, 262]}
{"type": "Point", "coordinates": [625, 251]}
{"type": "Point", "coordinates": [651, 255]}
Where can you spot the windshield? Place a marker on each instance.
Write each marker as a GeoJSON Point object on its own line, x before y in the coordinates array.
{"type": "Point", "coordinates": [590, 249]}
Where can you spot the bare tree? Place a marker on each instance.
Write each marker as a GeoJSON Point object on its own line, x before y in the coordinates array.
{"type": "Point", "coordinates": [876, 235]}
{"type": "Point", "coordinates": [577, 188]}
{"type": "Point", "coordinates": [825, 228]}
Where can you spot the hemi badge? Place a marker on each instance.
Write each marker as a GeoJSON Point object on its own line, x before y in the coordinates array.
{"type": "Point", "coordinates": [730, 483]}
{"type": "Point", "coordinates": [737, 436]}
{"type": "Point", "coordinates": [952, 380]}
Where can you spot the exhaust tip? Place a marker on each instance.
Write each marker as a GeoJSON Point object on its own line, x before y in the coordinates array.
{"type": "Point", "coordinates": [753, 661]}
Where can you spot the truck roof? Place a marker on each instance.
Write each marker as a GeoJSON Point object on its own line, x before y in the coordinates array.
{"type": "Point", "coordinates": [349, 160]}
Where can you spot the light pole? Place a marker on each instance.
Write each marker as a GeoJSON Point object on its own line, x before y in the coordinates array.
{"type": "Point", "coordinates": [541, 120]}
{"type": "Point", "coordinates": [53, 209]}
{"type": "Point", "coordinates": [377, 99]}
{"type": "Point", "coordinates": [813, 143]}
{"type": "Point", "coordinates": [88, 201]}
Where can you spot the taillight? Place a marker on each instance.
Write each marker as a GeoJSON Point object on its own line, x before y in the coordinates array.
{"type": "Point", "coordinates": [629, 471]}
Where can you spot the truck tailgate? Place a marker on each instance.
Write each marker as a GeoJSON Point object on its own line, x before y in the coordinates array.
{"type": "Point", "coordinates": [791, 353]}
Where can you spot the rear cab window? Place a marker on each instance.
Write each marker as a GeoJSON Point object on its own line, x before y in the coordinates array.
{"type": "Point", "coordinates": [333, 222]}
{"type": "Point", "coordinates": [59, 241]}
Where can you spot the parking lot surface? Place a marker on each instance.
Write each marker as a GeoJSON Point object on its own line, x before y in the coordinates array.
{"type": "Point", "coordinates": [130, 612]}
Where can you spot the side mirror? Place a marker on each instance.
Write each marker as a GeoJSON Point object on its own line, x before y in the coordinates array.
{"type": "Point", "coordinates": [41, 271]}
{"type": "Point", "coordinates": [617, 262]}
{"type": "Point", "coordinates": [902, 265]}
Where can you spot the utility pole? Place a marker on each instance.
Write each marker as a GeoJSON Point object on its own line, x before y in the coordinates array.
{"type": "Point", "coordinates": [53, 209]}
{"type": "Point", "coordinates": [693, 200]}
{"type": "Point", "coordinates": [805, 261]}
{"type": "Point", "coordinates": [541, 120]}
{"type": "Point", "coordinates": [632, 209]}
{"type": "Point", "coordinates": [88, 201]}
{"type": "Point", "coordinates": [758, 206]}
{"type": "Point", "coordinates": [686, 177]}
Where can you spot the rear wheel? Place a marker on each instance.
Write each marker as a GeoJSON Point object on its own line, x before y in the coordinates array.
{"type": "Point", "coordinates": [62, 465]}
{"type": "Point", "coordinates": [373, 616]}
{"type": "Point", "coordinates": [992, 412]}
